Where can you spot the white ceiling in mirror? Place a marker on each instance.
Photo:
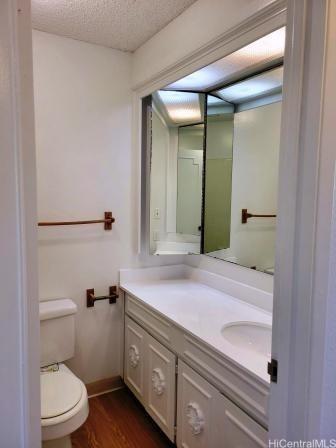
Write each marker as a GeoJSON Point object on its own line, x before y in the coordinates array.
{"type": "Point", "coordinates": [181, 107]}
{"type": "Point", "coordinates": [264, 84]}
{"type": "Point", "coordinates": [262, 51]}
{"type": "Point", "coordinates": [214, 101]}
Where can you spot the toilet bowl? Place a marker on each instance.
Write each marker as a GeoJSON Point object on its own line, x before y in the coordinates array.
{"type": "Point", "coordinates": [64, 400]}
{"type": "Point", "coordinates": [64, 406]}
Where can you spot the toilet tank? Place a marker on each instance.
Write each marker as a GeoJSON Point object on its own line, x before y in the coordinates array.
{"type": "Point", "coordinates": [57, 329]}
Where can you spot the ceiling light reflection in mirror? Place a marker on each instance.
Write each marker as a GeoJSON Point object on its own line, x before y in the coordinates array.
{"type": "Point", "coordinates": [181, 107]}
{"type": "Point", "coordinates": [264, 50]}
{"type": "Point", "coordinates": [266, 83]}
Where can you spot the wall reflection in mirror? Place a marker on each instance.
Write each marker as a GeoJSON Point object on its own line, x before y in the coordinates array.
{"type": "Point", "coordinates": [241, 173]}
{"type": "Point", "coordinates": [176, 171]}
{"type": "Point", "coordinates": [214, 158]}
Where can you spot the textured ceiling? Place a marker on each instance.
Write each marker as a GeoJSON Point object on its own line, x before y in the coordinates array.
{"type": "Point", "coordinates": [120, 24]}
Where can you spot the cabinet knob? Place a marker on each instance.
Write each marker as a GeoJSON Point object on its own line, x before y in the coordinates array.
{"type": "Point", "coordinates": [158, 381]}
{"type": "Point", "coordinates": [195, 418]}
{"type": "Point", "coordinates": [133, 355]}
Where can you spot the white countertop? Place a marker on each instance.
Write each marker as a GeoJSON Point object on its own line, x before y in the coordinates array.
{"type": "Point", "coordinates": [202, 311]}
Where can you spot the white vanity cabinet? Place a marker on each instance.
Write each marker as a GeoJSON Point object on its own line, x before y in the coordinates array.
{"type": "Point", "coordinates": [150, 372]}
{"type": "Point", "coordinates": [209, 402]}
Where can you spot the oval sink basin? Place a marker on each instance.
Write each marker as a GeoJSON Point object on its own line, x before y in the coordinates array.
{"type": "Point", "coordinates": [251, 336]}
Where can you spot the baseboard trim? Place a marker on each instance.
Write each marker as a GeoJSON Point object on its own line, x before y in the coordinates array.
{"type": "Point", "coordinates": [103, 386]}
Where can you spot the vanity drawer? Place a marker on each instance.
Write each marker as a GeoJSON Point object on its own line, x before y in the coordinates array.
{"type": "Point", "coordinates": [153, 323]}
{"type": "Point", "coordinates": [241, 387]}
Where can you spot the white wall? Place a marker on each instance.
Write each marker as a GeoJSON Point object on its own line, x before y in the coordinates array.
{"type": "Point", "coordinates": [83, 127]}
{"type": "Point", "coordinates": [84, 167]}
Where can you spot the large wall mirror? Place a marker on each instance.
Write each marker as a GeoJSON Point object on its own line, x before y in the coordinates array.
{"type": "Point", "coordinates": [214, 152]}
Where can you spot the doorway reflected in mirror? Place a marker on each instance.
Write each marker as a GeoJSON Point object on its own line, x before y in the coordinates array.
{"type": "Point", "coordinates": [176, 170]}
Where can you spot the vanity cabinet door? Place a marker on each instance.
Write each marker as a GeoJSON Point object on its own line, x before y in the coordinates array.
{"type": "Point", "coordinates": [237, 429]}
{"type": "Point", "coordinates": [135, 345]}
{"type": "Point", "coordinates": [161, 378]}
{"type": "Point", "coordinates": [196, 411]}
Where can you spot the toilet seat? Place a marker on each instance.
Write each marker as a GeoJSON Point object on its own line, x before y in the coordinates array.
{"type": "Point", "coordinates": [60, 392]}
{"type": "Point", "coordinates": [62, 425]}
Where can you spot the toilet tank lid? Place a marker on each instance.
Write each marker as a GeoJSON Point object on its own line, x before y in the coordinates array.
{"type": "Point", "coordinates": [50, 309]}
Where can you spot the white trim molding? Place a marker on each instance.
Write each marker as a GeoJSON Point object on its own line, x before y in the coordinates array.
{"type": "Point", "coordinates": [268, 19]}
{"type": "Point", "coordinates": [20, 423]}
{"type": "Point", "coordinates": [294, 405]}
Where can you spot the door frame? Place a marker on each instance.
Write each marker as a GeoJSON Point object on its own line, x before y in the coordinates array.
{"type": "Point", "coordinates": [295, 340]}
{"type": "Point", "coordinates": [298, 340]}
{"type": "Point", "coordinates": [20, 423]}
{"type": "Point", "coordinates": [295, 407]}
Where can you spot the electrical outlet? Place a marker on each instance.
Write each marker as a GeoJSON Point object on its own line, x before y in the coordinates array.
{"type": "Point", "coordinates": [157, 213]}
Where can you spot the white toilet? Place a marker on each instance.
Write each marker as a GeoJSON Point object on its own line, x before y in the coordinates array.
{"type": "Point", "coordinates": [64, 400]}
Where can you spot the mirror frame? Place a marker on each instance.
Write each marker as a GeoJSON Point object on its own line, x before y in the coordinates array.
{"type": "Point", "coordinates": [271, 18]}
